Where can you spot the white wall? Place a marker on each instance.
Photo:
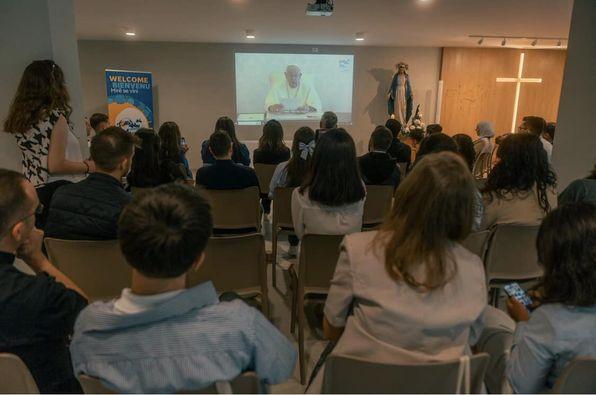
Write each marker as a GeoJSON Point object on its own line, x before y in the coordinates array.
{"type": "Point", "coordinates": [574, 153]}
{"type": "Point", "coordinates": [195, 82]}
{"type": "Point", "coordinates": [33, 30]}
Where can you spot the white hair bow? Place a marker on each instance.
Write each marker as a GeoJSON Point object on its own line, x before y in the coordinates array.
{"type": "Point", "coordinates": [306, 149]}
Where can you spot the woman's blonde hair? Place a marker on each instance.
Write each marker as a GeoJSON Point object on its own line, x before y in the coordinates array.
{"type": "Point", "coordinates": [434, 206]}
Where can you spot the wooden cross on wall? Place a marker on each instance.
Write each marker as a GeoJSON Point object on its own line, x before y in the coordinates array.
{"type": "Point", "coordinates": [518, 80]}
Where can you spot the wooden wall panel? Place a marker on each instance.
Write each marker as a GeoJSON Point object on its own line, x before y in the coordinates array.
{"type": "Point", "coordinates": [471, 93]}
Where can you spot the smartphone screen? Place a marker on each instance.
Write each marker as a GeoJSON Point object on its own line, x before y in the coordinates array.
{"type": "Point", "coordinates": [183, 142]}
{"type": "Point", "coordinates": [517, 292]}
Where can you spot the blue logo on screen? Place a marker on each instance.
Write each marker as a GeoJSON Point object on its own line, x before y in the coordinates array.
{"type": "Point", "coordinates": [344, 64]}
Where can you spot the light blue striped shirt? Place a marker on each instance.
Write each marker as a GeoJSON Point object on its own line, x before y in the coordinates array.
{"type": "Point", "coordinates": [187, 342]}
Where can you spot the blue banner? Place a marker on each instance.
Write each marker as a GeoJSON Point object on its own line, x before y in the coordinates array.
{"type": "Point", "coordinates": [130, 99]}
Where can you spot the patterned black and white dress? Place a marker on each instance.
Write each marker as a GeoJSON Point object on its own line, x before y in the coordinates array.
{"type": "Point", "coordinates": [35, 148]}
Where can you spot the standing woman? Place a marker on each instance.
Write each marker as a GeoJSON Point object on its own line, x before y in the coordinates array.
{"type": "Point", "coordinates": [484, 144]}
{"type": "Point", "coordinates": [240, 153]}
{"type": "Point", "coordinates": [39, 118]}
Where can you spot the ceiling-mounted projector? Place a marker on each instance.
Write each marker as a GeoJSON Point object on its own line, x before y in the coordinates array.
{"type": "Point", "coordinates": [320, 8]}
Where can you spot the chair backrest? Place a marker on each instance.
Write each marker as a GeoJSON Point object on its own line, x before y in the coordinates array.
{"type": "Point", "coordinates": [234, 263]}
{"type": "Point", "coordinates": [318, 257]}
{"type": "Point", "coordinates": [15, 377]}
{"type": "Point", "coordinates": [477, 242]}
{"type": "Point", "coordinates": [350, 376]}
{"type": "Point", "coordinates": [98, 267]}
{"type": "Point", "coordinates": [377, 204]}
{"type": "Point", "coordinates": [482, 165]}
{"type": "Point", "coordinates": [246, 383]}
{"type": "Point", "coordinates": [578, 377]}
{"type": "Point", "coordinates": [234, 208]}
{"type": "Point", "coordinates": [264, 174]}
{"type": "Point", "coordinates": [512, 253]}
{"type": "Point", "coordinates": [282, 208]}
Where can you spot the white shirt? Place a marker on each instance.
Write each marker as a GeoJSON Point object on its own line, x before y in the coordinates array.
{"type": "Point", "coordinates": [130, 303]}
{"type": "Point", "coordinates": [315, 218]}
{"type": "Point", "coordinates": [548, 147]}
{"type": "Point", "coordinates": [71, 153]}
{"type": "Point", "coordinates": [303, 95]}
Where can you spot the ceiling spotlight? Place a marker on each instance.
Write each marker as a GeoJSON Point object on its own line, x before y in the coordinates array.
{"type": "Point", "coordinates": [534, 42]}
{"type": "Point", "coordinates": [481, 41]}
{"type": "Point", "coordinates": [359, 36]}
{"type": "Point", "coordinates": [250, 34]}
{"type": "Point", "coordinates": [559, 43]}
{"type": "Point", "coordinates": [131, 34]}
{"type": "Point", "coordinates": [504, 42]}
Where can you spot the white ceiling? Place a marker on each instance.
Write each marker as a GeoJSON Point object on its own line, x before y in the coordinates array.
{"type": "Point", "coordinates": [384, 22]}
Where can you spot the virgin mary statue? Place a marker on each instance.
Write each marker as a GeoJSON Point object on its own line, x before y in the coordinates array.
{"type": "Point", "coordinates": [399, 97]}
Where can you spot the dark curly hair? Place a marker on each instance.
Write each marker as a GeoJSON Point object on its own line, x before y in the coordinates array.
{"type": "Point", "coordinates": [566, 247]}
{"type": "Point", "coordinates": [465, 147]}
{"type": "Point", "coordinates": [522, 164]}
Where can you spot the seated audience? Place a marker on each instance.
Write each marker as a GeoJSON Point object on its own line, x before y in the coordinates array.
{"type": "Point", "coordinates": [37, 312]}
{"type": "Point", "coordinates": [549, 132]}
{"type": "Point", "coordinates": [173, 167]}
{"type": "Point", "coordinates": [582, 190]}
{"type": "Point", "coordinates": [465, 147]}
{"type": "Point", "coordinates": [536, 125]}
{"type": "Point", "coordinates": [484, 144]}
{"type": "Point", "coordinates": [377, 166]}
{"type": "Point", "coordinates": [328, 121]}
{"type": "Point", "coordinates": [240, 153]}
{"type": "Point", "coordinates": [411, 292]}
{"type": "Point", "coordinates": [521, 187]}
{"type": "Point", "coordinates": [160, 337]}
{"type": "Point", "coordinates": [433, 128]}
{"type": "Point", "coordinates": [292, 172]}
{"type": "Point", "coordinates": [563, 323]}
{"type": "Point", "coordinates": [272, 150]}
{"type": "Point", "coordinates": [224, 173]}
{"type": "Point", "coordinates": [331, 198]}
{"type": "Point", "coordinates": [89, 209]}
{"type": "Point", "coordinates": [99, 122]}
{"type": "Point", "coordinates": [145, 171]}
{"type": "Point", "coordinates": [401, 152]}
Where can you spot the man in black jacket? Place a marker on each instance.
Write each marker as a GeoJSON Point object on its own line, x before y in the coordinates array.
{"type": "Point", "coordinates": [224, 173]}
{"type": "Point", "coordinates": [89, 209]}
{"type": "Point", "coordinates": [378, 167]}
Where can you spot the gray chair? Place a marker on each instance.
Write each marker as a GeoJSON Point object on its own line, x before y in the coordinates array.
{"type": "Point", "coordinates": [234, 209]}
{"type": "Point", "coordinates": [477, 243]}
{"type": "Point", "coordinates": [377, 204]}
{"type": "Point", "coordinates": [281, 222]}
{"type": "Point", "coordinates": [579, 377]}
{"type": "Point", "coordinates": [318, 258]}
{"type": "Point", "coordinates": [246, 383]}
{"type": "Point", "coordinates": [264, 174]}
{"type": "Point", "coordinates": [496, 342]}
{"type": "Point", "coordinates": [235, 263]}
{"type": "Point", "coordinates": [511, 256]}
{"type": "Point", "coordinates": [345, 375]}
{"type": "Point", "coordinates": [15, 377]}
{"type": "Point", "coordinates": [98, 267]}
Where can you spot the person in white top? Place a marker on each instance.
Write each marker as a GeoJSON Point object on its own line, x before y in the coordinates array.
{"type": "Point", "coordinates": [292, 94]}
{"type": "Point", "coordinates": [484, 144]}
{"type": "Point", "coordinates": [410, 292]}
{"type": "Point", "coordinates": [536, 126]}
{"type": "Point", "coordinates": [39, 119]}
{"type": "Point", "coordinates": [331, 199]}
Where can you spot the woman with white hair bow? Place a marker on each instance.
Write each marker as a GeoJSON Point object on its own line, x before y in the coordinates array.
{"type": "Point", "coordinates": [484, 144]}
{"type": "Point", "coordinates": [292, 172]}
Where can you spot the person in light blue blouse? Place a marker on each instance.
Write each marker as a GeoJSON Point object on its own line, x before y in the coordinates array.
{"type": "Point", "coordinates": [563, 323]}
{"type": "Point", "coordinates": [160, 337]}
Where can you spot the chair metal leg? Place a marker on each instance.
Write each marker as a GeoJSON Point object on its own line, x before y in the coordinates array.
{"type": "Point", "coordinates": [301, 356]}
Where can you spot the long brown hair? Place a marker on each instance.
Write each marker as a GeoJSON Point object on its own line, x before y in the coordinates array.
{"type": "Point", "coordinates": [170, 136]}
{"type": "Point", "coordinates": [273, 137]}
{"type": "Point", "coordinates": [297, 165]}
{"type": "Point", "coordinates": [434, 206]}
{"type": "Point", "coordinates": [42, 89]}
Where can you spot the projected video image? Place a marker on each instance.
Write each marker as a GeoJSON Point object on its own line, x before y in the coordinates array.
{"type": "Point", "coordinates": [293, 87]}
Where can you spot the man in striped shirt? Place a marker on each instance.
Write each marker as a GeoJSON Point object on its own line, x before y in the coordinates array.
{"type": "Point", "coordinates": [160, 337]}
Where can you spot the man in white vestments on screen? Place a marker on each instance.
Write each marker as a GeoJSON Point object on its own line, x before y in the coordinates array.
{"type": "Point", "coordinates": [292, 94]}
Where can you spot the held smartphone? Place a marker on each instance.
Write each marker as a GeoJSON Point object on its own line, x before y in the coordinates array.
{"type": "Point", "coordinates": [182, 142]}
{"type": "Point", "coordinates": [516, 292]}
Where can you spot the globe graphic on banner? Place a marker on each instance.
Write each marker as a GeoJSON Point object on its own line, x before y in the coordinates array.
{"type": "Point", "coordinates": [131, 119]}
